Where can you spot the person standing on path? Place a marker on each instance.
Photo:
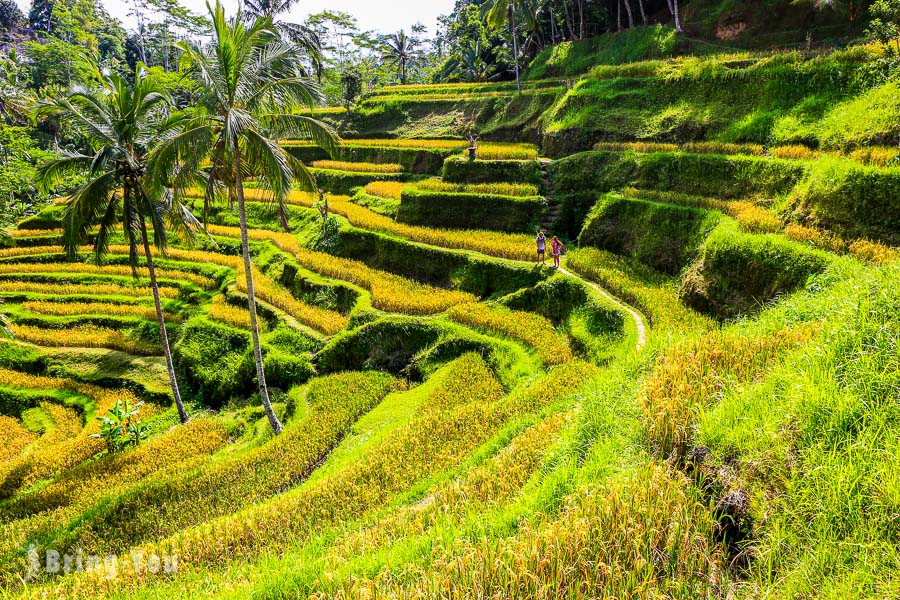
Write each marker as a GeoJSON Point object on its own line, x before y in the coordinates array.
{"type": "Point", "coordinates": [542, 247]}
{"type": "Point", "coordinates": [556, 248]}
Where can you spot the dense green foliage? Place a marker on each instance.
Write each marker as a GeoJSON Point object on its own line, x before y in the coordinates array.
{"type": "Point", "coordinates": [662, 236]}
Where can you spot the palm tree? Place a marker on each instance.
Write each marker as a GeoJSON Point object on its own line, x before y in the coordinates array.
{"type": "Point", "coordinates": [499, 13]}
{"type": "Point", "coordinates": [121, 122]}
{"type": "Point", "coordinates": [249, 84]}
{"type": "Point", "coordinates": [401, 51]}
{"type": "Point", "coordinates": [304, 37]}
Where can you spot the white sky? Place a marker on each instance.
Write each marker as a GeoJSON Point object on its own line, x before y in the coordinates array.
{"type": "Point", "coordinates": [383, 16]}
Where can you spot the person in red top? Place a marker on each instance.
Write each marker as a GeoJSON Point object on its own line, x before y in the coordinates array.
{"type": "Point", "coordinates": [556, 248]}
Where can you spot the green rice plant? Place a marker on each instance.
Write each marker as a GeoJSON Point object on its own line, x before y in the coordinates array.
{"type": "Point", "coordinates": [178, 501]}
{"type": "Point", "coordinates": [644, 534]}
{"type": "Point", "coordinates": [355, 167]}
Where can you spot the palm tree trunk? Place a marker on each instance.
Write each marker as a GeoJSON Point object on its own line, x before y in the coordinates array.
{"type": "Point", "coordinates": [160, 317]}
{"type": "Point", "coordinates": [630, 16]}
{"type": "Point", "coordinates": [515, 40]}
{"type": "Point", "coordinates": [251, 299]}
{"type": "Point", "coordinates": [581, 19]}
{"type": "Point", "coordinates": [677, 18]}
{"type": "Point", "coordinates": [643, 12]}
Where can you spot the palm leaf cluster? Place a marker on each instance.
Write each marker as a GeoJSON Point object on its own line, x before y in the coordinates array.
{"type": "Point", "coordinates": [145, 156]}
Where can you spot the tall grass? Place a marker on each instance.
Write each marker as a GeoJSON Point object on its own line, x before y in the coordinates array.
{"type": "Point", "coordinates": [84, 336]}
{"type": "Point", "coordinates": [357, 167]}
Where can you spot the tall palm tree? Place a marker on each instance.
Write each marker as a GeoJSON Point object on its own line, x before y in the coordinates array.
{"type": "Point", "coordinates": [249, 86]}
{"type": "Point", "coordinates": [304, 37]}
{"type": "Point", "coordinates": [500, 13]}
{"type": "Point", "coordinates": [121, 122]}
{"type": "Point", "coordinates": [401, 51]}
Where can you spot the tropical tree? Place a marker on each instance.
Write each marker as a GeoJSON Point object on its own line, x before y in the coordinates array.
{"type": "Point", "coordinates": [121, 122]}
{"type": "Point", "coordinates": [401, 51]}
{"type": "Point", "coordinates": [305, 37]}
{"type": "Point", "coordinates": [249, 86]}
{"type": "Point", "coordinates": [500, 13]}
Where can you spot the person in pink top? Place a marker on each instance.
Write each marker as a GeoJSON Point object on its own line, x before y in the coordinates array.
{"type": "Point", "coordinates": [556, 249]}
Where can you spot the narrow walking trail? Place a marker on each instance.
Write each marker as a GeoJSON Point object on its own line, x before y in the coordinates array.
{"type": "Point", "coordinates": [639, 321]}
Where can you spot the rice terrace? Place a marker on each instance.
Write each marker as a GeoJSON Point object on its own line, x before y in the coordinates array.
{"type": "Point", "coordinates": [450, 299]}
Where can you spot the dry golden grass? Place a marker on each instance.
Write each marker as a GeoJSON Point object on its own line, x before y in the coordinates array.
{"type": "Point", "coordinates": [70, 443]}
{"type": "Point", "coordinates": [71, 309]}
{"type": "Point", "coordinates": [27, 233]}
{"type": "Point", "coordinates": [795, 152]}
{"type": "Point", "coordinates": [505, 151]}
{"type": "Point", "coordinates": [752, 217]}
{"type": "Point", "coordinates": [357, 167]}
{"type": "Point", "coordinates": [220, 310]}
{"type": "Point", "coordinates": [690, 376]}
{"type": "Point", "coordinates": [499, 189]}
{"type": "Point", "coordinates": [326, 321]}
{"type": "Point", "coordinates": [112, 270]}
{"type": "Point", "coordinates": [534, 330]}
{"type": "Point", "coordinates": [83, 336]}
{"type": "Point", "coordinates": [385, 189]}
{"type": "Point", "coordinates": [641, 147]}
{"type": "Point", "coordinates": [13, 438]}
{"type": "Point", "coordinates": [643, 536]}
{"type": "Point", "coordinates": [874, 252]}
{"type": "Point", "coordinates": [816, 237]}
{"type": "Point", "coordinates": [876, 156]}
{"type": "Point", "coordinates": [723, 148]}
{"type": "Point", "coordinates": [84, 289]}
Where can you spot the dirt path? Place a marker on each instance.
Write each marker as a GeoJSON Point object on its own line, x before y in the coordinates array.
{"type": "Point", "coordinates": [639, 320]}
